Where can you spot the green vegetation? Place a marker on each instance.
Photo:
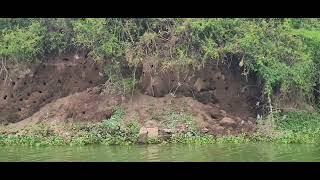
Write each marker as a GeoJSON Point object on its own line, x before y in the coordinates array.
{"type": "Point", "coordinates": [111, 131]}
{"type": "Point", "coordinates": [300, 127]}
{"type": "Point", "coordinates": [282, 51]}
{"type": "Point", "coordinates": [294, 127]}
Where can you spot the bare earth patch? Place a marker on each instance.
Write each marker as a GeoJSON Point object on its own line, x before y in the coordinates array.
{"type": "Point", "coordinates": [67, 89]}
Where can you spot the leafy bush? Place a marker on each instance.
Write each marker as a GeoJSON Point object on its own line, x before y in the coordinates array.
{"type": "Point", "coordinates": [172, 119]}
{"type": "Point", "coordinates": [22, 43]}
{"type": "Point", "coordinates": [59, 35]}
{"type": "Point", "coordinates": [115, 122]}
{"type": "Point", "coordinates": [100, 36]}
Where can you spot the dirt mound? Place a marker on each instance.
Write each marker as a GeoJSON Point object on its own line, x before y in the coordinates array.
{"type": "Point", "coordinates": [87, 106]}
{"type": "Point", "coordinates": [209, 118]}
{"type": "Point", "coordinates": [25, 92]}
{"type": "Point", "coordinates": [92, 106]}
{"type": "Point", "coordinates": [213, 84]}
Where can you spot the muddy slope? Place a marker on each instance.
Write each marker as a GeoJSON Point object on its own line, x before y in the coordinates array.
{"type": "Point", "coordinates": [222, 85]}
{"type": "Point", "coordinates": [66, 89]}
{"type": "Point", "coordinates": [28, 90]}
{"type": "Point", "coordinates": [210, 119]}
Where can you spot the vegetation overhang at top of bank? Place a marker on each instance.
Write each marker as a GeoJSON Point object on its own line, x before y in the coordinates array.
{"type": "Point", "coordinates": [283, 52]}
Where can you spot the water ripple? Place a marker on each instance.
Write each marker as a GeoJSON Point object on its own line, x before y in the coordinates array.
{"type": "Point", "coordinates": [167, 153]}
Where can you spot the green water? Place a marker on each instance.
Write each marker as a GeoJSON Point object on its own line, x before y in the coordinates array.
{"type": "Point", "coordinates": [167, 153]}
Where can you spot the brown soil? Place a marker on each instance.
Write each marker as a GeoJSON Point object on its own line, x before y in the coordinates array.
{"type": "Point", "coordinates": [154, 109]}
{"type": "Point", "coordinates": [212, 84]}
{"type": "Point", "coordinates": [25, 92]}
{"type": "Point", "coordinates": [87, 106]}
{"type": "Point", "coordinates": [66, 89]}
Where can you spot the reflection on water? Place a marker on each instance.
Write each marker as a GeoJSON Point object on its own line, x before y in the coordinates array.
{"type": "Point", "coordinates": [172, 153]}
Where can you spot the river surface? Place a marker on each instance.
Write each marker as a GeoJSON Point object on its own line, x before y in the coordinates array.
{"type": "Point", "coordinates": [166, 153]}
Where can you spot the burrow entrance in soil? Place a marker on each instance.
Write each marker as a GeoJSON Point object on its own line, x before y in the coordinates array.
{"type": "Point", "coordinates": [67, 88]}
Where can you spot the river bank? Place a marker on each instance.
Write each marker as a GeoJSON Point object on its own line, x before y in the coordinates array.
{"type": "Point", "coordinates": [147, 81]}
{"type": "Point", "coordinates": [296, 128]}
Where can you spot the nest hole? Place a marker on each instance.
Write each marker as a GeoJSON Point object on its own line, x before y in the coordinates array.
{"type": "Point", "coordinates": [213, 116]}
{"type": "Point", "coordinates": [108, 116]}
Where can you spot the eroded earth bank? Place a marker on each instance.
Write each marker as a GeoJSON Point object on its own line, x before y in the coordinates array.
{"type": "Point", "coordinates": [71, 88]}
